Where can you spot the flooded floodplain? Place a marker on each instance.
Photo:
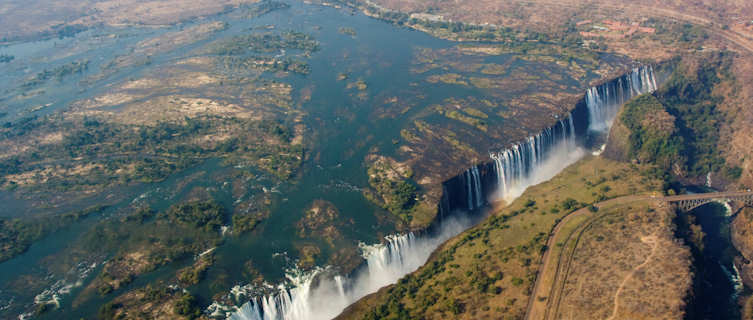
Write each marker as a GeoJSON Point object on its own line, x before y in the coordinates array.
{"type": "Point", "coordinates": [306, 131]}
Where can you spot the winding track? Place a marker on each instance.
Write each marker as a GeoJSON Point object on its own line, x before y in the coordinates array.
{"type": "Point", "coordinates": [546, 259]}
{"type": "Point", "coordinates": [654, 245]}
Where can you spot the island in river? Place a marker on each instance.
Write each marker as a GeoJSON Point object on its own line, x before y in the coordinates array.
{"type": "Point", "coordinates": [263, 144]}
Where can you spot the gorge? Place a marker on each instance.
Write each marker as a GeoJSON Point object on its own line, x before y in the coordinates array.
{"type": "Point", "coordinates": [374, 159]}
{"type": "Point", "coordinates": [323, 294]}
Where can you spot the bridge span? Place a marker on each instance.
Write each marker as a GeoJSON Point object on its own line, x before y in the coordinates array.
{"type": "Point", "coordinates": [538, 309]}
{"type": "Point", "coordinates": [687, 202]}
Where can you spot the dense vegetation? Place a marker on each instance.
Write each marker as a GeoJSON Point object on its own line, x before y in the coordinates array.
{"type": "Point", "coordinates": [245, 223]}
{"type": "Point", "coordinates": [286, 64]}
{"type": "Point", "coordinates": [145, 240]}
{"type": "Point", "coordinates": [688, 96]}
{"type": "Point", "coordinates": [266, 42]}
{"type": "Point", "coordinates": [487, 271]}
{"type": "Point", "coordinates": [4, 58]}
{"type": "Point", "coordinates": [394, 189]}
{"type": "Point", "coordinates": [441, 28]}
{"type": "Point", "coordinates": [17, 234]}
{"type": "Point", "coordinates": [62, 31]}
{"type": "Point", "coordinates": [347, 31]}
{"type": "Point", "coordinates": [678, 126]}
{"type": "Point", "coordinates": [653, 136]}
{"type": "Point", "coordinates": [255, 51]}
{"type": "Point", "coordinates": [144, 153]}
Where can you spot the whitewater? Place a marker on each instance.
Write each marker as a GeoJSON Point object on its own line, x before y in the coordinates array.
{"type": "Point", "coordinates": [323, 293]}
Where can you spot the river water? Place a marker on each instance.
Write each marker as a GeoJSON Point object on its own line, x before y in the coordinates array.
{"type": "Point", "coordinates": [343, 127]}
{"type": "Point", "coordinates": [717, 284]}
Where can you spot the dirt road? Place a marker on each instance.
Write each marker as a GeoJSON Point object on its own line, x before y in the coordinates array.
{"type": "Point", "coordinates": [538, 309]}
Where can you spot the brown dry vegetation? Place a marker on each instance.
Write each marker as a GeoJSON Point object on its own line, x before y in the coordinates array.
{"type": "Point", "coordinates": [487, 272]}
{"type": "Point", "coordinates": [627, 265]}
{"type": "Point", "coordinates": [742, 237]}
{"type": "Point", "coordinates": [562, 17]}
{"type": "Point", "coordinates": [736, 136]}
{"type": "Point", "coordinates": [169, 94]}
{"type": "Point", "coordinates": [22, 19]}
{"type": "Point", "coordinates": [163, 95]}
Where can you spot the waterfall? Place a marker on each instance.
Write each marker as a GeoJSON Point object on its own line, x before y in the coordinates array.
{"type": "Point", "coordinates": [708, 179]}
{"type": "Point", "coordinates": [473, 188]}
{"type": "Point", "coordinates": [477, 187]}
{"type": "Point", "coordinates": [604, 101]}
{"type": "Point", "coordinates": [535, 160]}
{"type": "Point", "coordinates": [323, 294]}
{"type": "Point", "coordinates": [468, 187]}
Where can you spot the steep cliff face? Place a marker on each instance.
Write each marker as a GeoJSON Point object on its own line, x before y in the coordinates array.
{"type": "Point", "coordinates": [737, 135]}
{"type": "Point", "coordinates": [487, 272]}
{"type": "Point", "coordinates": [741, 232]}
{"type": "Point", "coordinates": [742, 237]}
{"type": "Point", "coordinates": [698, 126]}
{"type": "Point", "coordinates": [618, 142]}
{"type": "Point", "coordinates": [646, 132]}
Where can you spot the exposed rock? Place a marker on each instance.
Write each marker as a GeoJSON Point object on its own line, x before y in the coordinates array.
{"type": "Point", "coordinates": [742, 237]}
{"type": "Point", "coordinates": [320, 221]}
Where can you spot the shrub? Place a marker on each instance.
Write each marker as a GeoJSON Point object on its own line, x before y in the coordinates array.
{"type": "Point", "coordinates": [569, 204]}
{"type": "Point", "coordinates": [187, 306]}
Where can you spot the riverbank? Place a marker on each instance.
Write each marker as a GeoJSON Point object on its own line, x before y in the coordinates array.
{"type": "Point", "coordinates": [489, 270]}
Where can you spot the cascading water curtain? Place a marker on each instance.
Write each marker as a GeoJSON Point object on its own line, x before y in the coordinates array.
{"type": "Point", "coordinates": [323, 294]}
{"type": "Point", "coordinates": [604, 101]}
{"type": "Point", "coordinates": [473, 188]}
{"type": "Point", "coordinates": [515, 166]}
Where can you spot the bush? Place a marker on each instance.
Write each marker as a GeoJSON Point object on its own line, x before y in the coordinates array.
{"type": "Point", "coordinates": [187, 306]}
{"type": "Point", "coordinates": [203, 214]}
{"type": "Point", "coordinates": [455, 306]}
{"type": "Point", "coordinates": [653, 134]}
{"type": "Point", "coordinates": [569, 204]}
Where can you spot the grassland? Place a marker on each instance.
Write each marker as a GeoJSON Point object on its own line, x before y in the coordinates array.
{"type": "Point", "coordinates": [488, 271]}
{"type": "Point", "coordinates": [625, 263]}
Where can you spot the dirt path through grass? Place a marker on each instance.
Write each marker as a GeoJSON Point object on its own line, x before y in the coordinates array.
{"type": "Point", "coordinates": [646, 239]}
{"type": "Point", "coordinates": [539, 309]}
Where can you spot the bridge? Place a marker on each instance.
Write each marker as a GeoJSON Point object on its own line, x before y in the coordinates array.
{"type": "Point", "coordinates": [553, 285]}
{"type": "Point", "coordinates": [689, 202]}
